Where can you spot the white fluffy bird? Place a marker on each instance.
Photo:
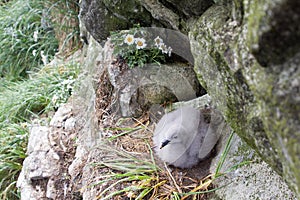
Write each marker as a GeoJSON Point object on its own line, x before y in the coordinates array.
{"type": "Point", "coordinates": [183, 137]}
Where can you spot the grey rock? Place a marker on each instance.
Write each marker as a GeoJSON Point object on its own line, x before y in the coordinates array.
{"type": "Point", "coordinates": [101, 17]}
{"type": "Point", "coordinates": [38, 139]}
{"type": "Point", "coordinates": [162, 13]}
{"type": "Point", "coordinates": [199, 102]}
{"type": "Point", "coordinates": [70, 124]}
{"type": "Point", "coordinates": [189, 8]}
{"type": "Point", "coordinates": [252, 78]}
{"type": "Point", "coordinates": [255, 180]}
{"type": "Point", "coordinates": [41, 164]}
{"type": "Point", "coordinates": [60, 116]}
{"type": "Point", "coordinates": [140, 88]}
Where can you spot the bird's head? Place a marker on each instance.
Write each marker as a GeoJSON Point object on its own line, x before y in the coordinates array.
{"type": "Point", "coordinates": [172, 136]}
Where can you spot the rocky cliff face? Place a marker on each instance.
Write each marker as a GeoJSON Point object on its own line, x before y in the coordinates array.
{"type": "Point", "coordinates": [245, 49]}
{"type": "Point", "coordinates": [247, 58]}
{"type": "Point", "coordinates": [245, 53]}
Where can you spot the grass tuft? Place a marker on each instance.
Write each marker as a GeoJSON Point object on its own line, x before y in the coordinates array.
{"type": "Point", "coordinates": [135, 178]}
{"type": "Point", "coordinates": [25, 42]}
{"type": "Point", "coordinates": [32, 31]}
{"type": "Point", "coordinates": [13, 140]}
{"type": "Point", "coordinates": [45, 91]}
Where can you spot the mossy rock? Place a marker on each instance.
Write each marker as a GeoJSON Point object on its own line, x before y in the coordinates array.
{"type": "Point", "coordinates": [257, 91]}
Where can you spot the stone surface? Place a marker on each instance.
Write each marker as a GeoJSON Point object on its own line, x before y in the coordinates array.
{"type": "Point", "coordinates": [163, 14]}
{"type": "Point", "coordinates": [140, 88]}
{"type": "Point", "coordinates": [277, 37]}
{"type": "Point", "coordinates": [190, 7]}
{"type": "Point", "coordinates": [255, 180]}
{"type": "Point", "coordinates": [39, 166]}
{"type": "Point", "coordinates": [251, 76]}
{"type": "Point", "coordinates": [258, 95]}
{"type": "Point", "coordinates": [101, 17]}
{"type": "Point", "coordinates": [43, 175]}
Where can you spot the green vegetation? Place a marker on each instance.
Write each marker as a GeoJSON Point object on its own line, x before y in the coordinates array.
{"type": "Point", "coordinates": [125, 170]}
{"type": "Point", "coordinates": [138, 47]}
{"type": "Point", "coordinates": [13, 140]}
{"type": "Point", "coordinates": [27, 34]}
{"type": "Point", "coordinates": [25, 42]}
{"type": "Point", "coordinates": [20, 101]}
{"type": "Point", "coordinates": [29, 86]}
{"type": "Point", "coordinates": [45, 91]}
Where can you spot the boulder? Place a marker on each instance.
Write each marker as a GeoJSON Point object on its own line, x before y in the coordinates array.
{"type": "Point", "coordinates": [253, 77]}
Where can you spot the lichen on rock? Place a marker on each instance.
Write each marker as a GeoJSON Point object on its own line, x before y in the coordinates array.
{"type": "Point", "coordinates": [251, 87]}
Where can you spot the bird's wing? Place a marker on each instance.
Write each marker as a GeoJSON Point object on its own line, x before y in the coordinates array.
{"type": "Point", "coordinates": [213, 133]}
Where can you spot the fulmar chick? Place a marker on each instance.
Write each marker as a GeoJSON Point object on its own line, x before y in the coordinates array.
{"type": "Point", "coordinates": [180, 135]}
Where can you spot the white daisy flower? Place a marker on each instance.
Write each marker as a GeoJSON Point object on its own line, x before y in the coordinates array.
{"type": "Point", "coordinates": [34, 52]}
{"type": "Point", "coordinates": [129, 39]}
{"type": "Point", "coordinates": [140, 43]}
{"type": "Point", "coordinates": [169, 51]}
{"type": "Point", "coordinates": [158, 41]}
{"type": "Point", "coordinates": [163, 48]}
{"type": "Point", "coordinates": [35, 35]}
{"type": "Point", "coordinates": [44, 58]}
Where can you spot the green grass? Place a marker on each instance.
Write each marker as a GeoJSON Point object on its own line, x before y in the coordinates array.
{"type": "Point", "coordinates": [20, 50]}
{"type": "Point", "coordinates": [223, 157]}
{"type": "Point", "coordinates": [21, 101]}
{"type": "Point", "coordinates": [126, 169]}
{"type": "Point", "coordinates": [13, 140]}
{"type": "Point", "coordinates": [32, 31]}
{"type": "Point", "coordinates": [45, 91]}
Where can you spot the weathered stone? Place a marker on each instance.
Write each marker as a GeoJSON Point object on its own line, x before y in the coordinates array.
{"type": "Point", "coordinates": [260, 102]}
{"type": "Point", "coordinates": [140, 88]}
{"type": "Point", "coordinates": [70, 124]}
{"type": "Point", "coordinates": [60, 116]}
{"type": "Point", "coordinates": [199, 102]}
{"type": "Point", "coordinates": [39, 166]}
{"type": "Point", "coordinates": [190, 7]}
{"type": "Point", "coordinates": [38, 139]}
{"type": "Point", "coordinates": [101, 17]}
{"type": "Point", "coordinates": [254, 180]}
{"type": "Point", "coordinates": [277, 35]}
{"type": "Point", "coordinates": [162, 13]}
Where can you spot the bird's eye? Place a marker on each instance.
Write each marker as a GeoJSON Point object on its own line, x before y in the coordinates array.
{"type": "Point", "coordinates": [175, 136]}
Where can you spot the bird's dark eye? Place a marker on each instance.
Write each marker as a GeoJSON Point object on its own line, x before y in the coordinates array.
{"type": "Point", "coordinates": [175, 136]}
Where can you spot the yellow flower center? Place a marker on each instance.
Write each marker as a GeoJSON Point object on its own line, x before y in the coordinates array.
{"type": "Point", "coordinates": [139, 43]}
{"type": "Point", "coordinates": [129, 39]}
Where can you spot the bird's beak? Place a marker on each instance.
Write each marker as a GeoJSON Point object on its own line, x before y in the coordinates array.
{"type": "Point", "coordinates": [164, 143]}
